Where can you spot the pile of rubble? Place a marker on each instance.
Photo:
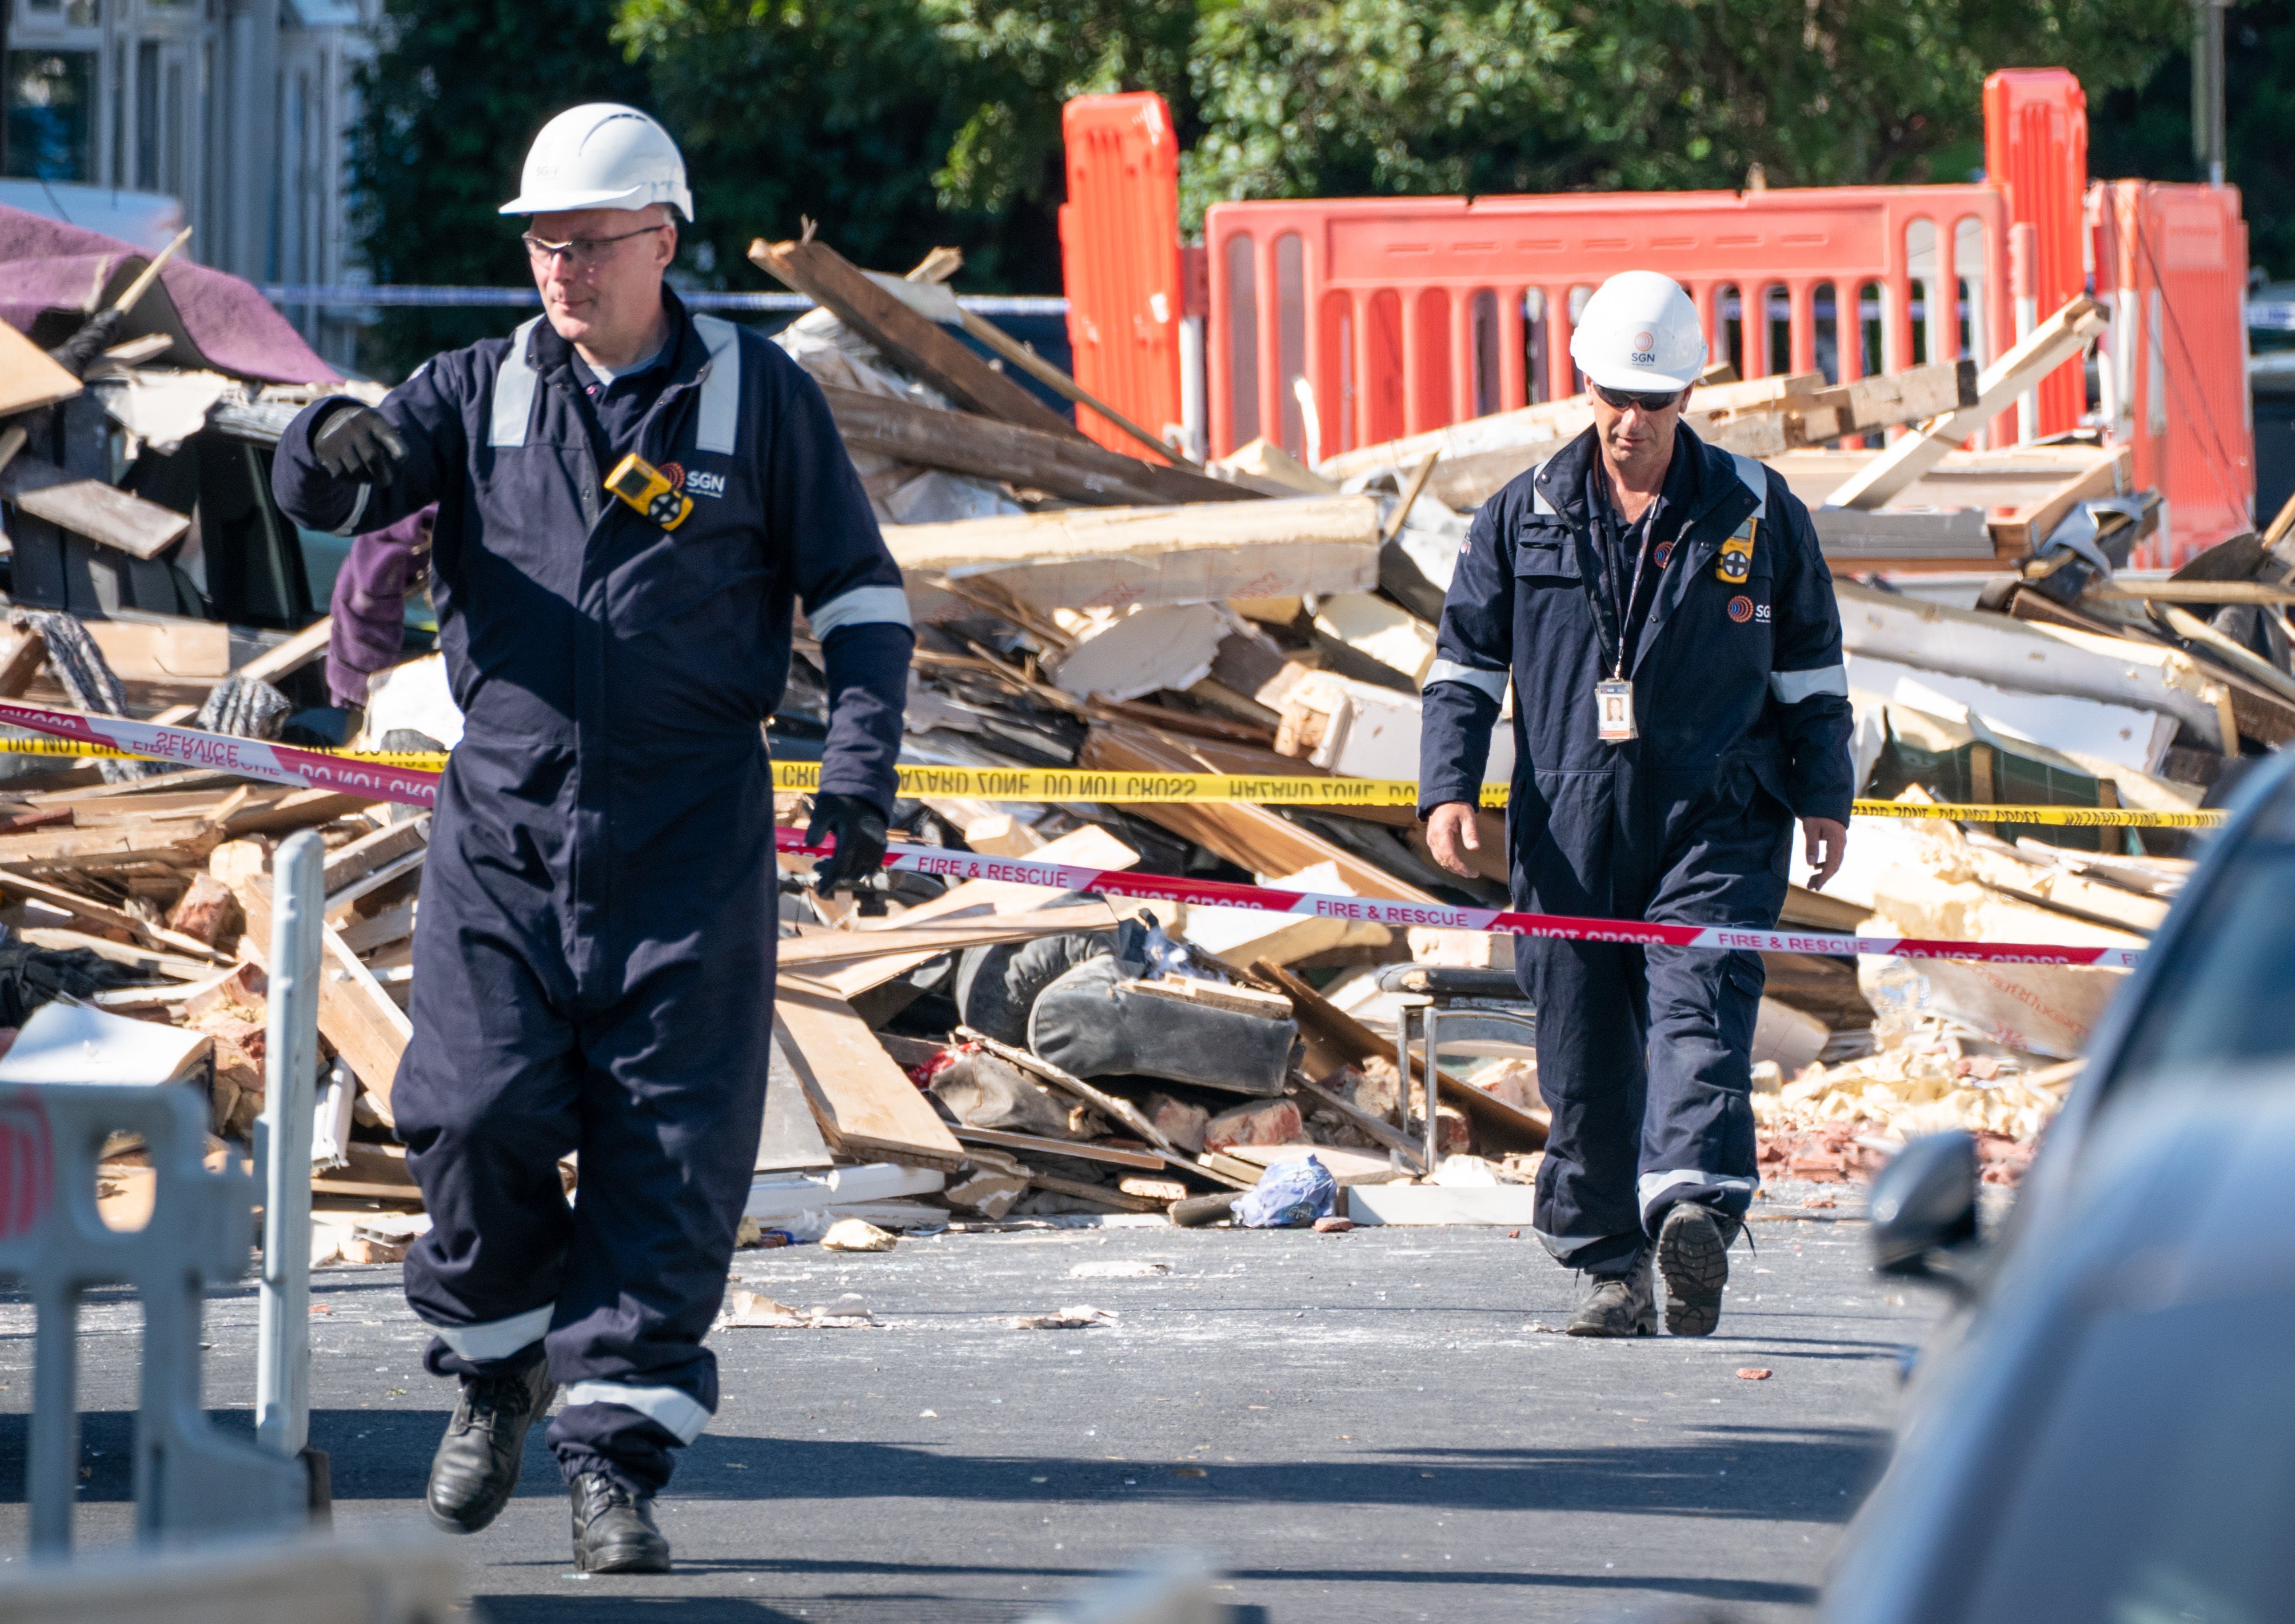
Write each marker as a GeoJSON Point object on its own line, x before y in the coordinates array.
{"type": "Point", "coordinates": [997, 1051]}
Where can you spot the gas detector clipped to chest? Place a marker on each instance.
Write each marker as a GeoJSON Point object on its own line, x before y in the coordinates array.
{"type": "Point", "coordinates": [649, 490]}
{"type": "Point", "coordinates": [1734, 565]}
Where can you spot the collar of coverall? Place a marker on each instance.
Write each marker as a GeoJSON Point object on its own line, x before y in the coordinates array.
{"type": "Point", "coordinates": [689, 355]}
{"type": "Point", "coordinates": [1710, 475]}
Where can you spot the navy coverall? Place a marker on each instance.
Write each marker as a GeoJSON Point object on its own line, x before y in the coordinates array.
{"type": "Point", "coordinates": [594, 952]}
{"type": "Point", "coordinates": [1741, 700]}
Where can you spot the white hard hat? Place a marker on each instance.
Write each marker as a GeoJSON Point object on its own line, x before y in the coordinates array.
{"type": "Point", "coordinates": [1639, 331]}
{"type": "Point", "coordinates": [601, 155]}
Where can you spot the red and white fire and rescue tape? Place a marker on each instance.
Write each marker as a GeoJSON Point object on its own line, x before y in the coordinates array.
{"type": "Point", "coordinates": [412, 787]}
{"type": "Point", "coordinates": [944, 864]}
{"type": "Point", "coordinates": [249, 757]}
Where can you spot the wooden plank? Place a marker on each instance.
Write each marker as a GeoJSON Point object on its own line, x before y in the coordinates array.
{"type": "Point", "coordinates": [1200, 552]}
{"type": "Point", "coordinates": [297, 809]}
{"type": "Point", "coordinates": [865, 1103]}
{"type": "Point", "coordinates": [28, 377]}
{"type": "Point", "coordinates": [370, 852]}
{"type": "Point", "coordinates": [24, 658]}
{"type": "Point", "coordinates": [2037, 353]}
{"type": "Point", "coordinates": [1497, 1124]}
{"type": "Point", "coordinates": [1059, 465]}
{"type": "Point", "coordinates": [375, 880]}
{"type": "Point", "coordinates": [1082, 1150]}
{"type": "Point", "coordinates": [825, 947]}
{"type": "Point", "coordinates": [1250, 835]}
{"type": "Point", "coordinates": [1115, 1110]}
{"type": "Point", "coordinates": [145, 960]}
{"type": "Point", "coordinates": [918, 346]}
{"type": "Point", "coordinates": [2209, 593]}
{"type": "Point", "coordinates": [102, 513]}
{"type": "Point", "coordinates": [179, 846]}
{"type": "Point", "coordinates": [363, 1023]}
{"type": "Point", "coordinates": [1107, 1195]}
{"type": "Point", "coordinates": [109, 918]}
{"type": "Point", "coordinates": [2013, 531]}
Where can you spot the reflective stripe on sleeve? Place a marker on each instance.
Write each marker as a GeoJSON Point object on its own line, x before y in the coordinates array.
{"type": "Point", "coordinates": [1792, 686]}
{"type": "Point", "coordinates": [673, 1407]}
{"type": "Point", "coordinates": [1491, 682]}
{"type": "Point", "coordinates": [349, 527]}
{"type": "Point", "coordinates": [861, 606]}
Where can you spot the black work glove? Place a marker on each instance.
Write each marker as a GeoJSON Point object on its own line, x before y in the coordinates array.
{"type": "Point", "coordinates": [358, 443]}
{"type": "Point", "coordinates": [859, 828]}
{"type": "Point", "coordinates": [96, 335]}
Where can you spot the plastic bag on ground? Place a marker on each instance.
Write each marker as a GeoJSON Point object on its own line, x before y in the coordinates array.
{"type": "Point", "coordinates": [1289, 1195]}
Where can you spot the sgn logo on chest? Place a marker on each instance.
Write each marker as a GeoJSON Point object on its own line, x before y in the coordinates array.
{"type": "Point", "coordinates": [701, 482]}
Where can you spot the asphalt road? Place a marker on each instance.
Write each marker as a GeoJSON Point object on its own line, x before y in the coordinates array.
{"type": "Point", "coordinates": [1371, 1426]}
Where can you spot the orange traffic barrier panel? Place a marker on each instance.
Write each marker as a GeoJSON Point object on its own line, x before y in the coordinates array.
{"type": "Point", "coordinates": [1337, 323]}
{"type": "Point", "coordinates": [2171, 263]}
{"type": "Point", "coordinates": [2036, 151]}
{"type": "Point", "coordinates": [1120, 260]}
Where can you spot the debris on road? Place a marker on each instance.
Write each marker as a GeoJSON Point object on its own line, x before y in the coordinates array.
{"type": "Point", "coordinates": [1082, 1318]}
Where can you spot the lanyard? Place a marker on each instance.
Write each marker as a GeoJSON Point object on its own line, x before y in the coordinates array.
{"type": "Point", "coordinates": [1618, 615]}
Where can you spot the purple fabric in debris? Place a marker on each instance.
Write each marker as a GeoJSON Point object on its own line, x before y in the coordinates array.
{"type": "Point", "coordinates": [370, 604]}
{"type": "Point", "coordinates": [217, 320]}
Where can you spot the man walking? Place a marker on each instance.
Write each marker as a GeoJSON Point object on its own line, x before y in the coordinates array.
{"type": "Point", "coordinates": [1671, 631]}
{"type": "Point", "coordinates": [630, 498]}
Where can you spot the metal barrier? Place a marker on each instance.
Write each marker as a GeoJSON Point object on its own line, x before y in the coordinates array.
{"type": "Point", "coordinates": [1120, 260]}
{"type": "Point", "coordinates": [292, 1581]}
{"type": "Point", "coordinates": [2171, 263]}
{"type": "Point", "coordinates": [2036, 151]}
{"type": "Point", "coordinates": [190, 1481]}
{"type": "Point", "coordinates": [282, 1150]}
{"type": "Point", "coordinates": [1343, 322]}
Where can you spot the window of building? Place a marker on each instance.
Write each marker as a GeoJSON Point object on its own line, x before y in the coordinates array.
{"type": "Point", "coordinates": [51, 96]}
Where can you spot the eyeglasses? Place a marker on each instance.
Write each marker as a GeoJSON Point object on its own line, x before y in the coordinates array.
{"type": "Point", "coordinates": [582, 252]}
{"type": "Point", "coordinates": [1627, 400]}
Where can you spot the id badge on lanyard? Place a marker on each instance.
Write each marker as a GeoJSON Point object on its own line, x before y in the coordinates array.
{"type": "Point", "coordinates": [1614, 712]}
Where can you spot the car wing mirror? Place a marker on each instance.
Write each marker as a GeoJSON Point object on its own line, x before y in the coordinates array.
{"type": "Point", "coordinates": [1924, 1209]}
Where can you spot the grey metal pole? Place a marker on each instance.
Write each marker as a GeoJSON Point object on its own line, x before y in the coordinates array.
{"type": "Point", "coordinates": [283, 1370]}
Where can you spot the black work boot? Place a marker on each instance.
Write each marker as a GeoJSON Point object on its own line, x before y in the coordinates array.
{"type": "Point", "coordinates": [1618, 1305]}
{"type": "Point", "coordinates": [613, 1529]}
{"type": "Point", "coordinates": [1693, 1253]}
{"type": "Point", "coordinates": [475, 1468]}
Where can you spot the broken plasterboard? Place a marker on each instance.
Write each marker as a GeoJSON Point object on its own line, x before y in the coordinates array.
{"type": "Point", "coordinates": [1360, 730]}
{"type": "Point", "coordinates": [2122, 734]}
{"type": "Point", "coordinates": [63, 1041]}
{"type": "Point", "coordinates": [1172, 646]}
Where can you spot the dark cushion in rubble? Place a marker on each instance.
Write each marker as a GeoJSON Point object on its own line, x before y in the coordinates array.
{"type": "Point", "coordinates": [1090, 1023]}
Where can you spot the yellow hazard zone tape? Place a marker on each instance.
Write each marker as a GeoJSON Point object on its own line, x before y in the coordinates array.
{"type": "Point", "coordinates": [1163, 788]}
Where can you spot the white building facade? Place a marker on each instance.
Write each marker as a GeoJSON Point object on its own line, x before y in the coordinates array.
{"type": "Point", "coordinates": [239, 109]}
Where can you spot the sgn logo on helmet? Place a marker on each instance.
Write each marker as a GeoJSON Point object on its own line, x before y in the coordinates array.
{"type": "Point", "coordinates": [1639, 332]}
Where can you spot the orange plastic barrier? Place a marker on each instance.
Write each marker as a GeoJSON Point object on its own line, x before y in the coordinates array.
{"type": "Point", "coordinates": [1120, 260]}
{"type": "Point", "coordinates": [2171, 261]}
{"type": "Point", "coordinates": [2036, 151]}
{"type": "Point", "coordinates": [1402, 314]}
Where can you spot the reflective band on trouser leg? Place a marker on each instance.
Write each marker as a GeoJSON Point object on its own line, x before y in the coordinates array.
{"type": "Point", "coordinates": [498, 1338]}
{"type": "Point", "coordinates": [1491, 683]}
{"type": "Point", "coordinates": [862, 606]}
{"type": "Point", "coordinates": [671, 1408]}
{"type": "Point", "coordinates": [1792, 686]}
{"type": "Point", "coordinates": [1688, 1181]}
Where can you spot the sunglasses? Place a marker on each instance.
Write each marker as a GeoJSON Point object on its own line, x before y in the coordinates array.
{"type": "Point", "coordinates": [1627, 400]}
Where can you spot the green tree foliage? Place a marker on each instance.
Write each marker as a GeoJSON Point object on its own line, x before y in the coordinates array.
{"type": "Point", "coordinates": [2146, 129]}
{"type": "Point", "coordinates": [1302, 97]}
{"type": "Point", "coordinates": [449, 104]}
{"type": "Point", "coordinates": [901, 124]}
